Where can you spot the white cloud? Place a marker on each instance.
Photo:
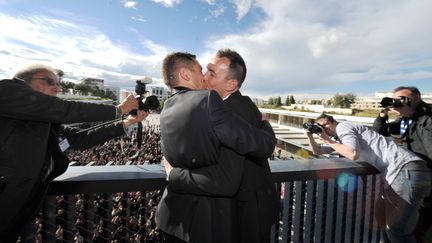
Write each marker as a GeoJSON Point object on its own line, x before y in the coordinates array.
{"type": "Point", "coordinates": [242, 7]}
{"type": "Point", "coordinates": [296, 45]}
{"type": "Point", "coordinates": [326, 42]}
{"type": "Point", "coordinates": [305, 44]}
{"type": "Point", "coordinates": [217, 11]}
{"type": "Point", "coordinates": [138, 18]}
{"type": "Point", "coordinates": [168, 3]}
{"type": "Point", "coordinates": [80, 51]}
{"type": "Point", "coordinates": [130, 4]}
{"type": "Point", "coordinates": [210, 2]}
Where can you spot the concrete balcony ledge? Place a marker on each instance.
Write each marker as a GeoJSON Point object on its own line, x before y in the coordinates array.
{"type": "Point", "coordinates": [108, 179]}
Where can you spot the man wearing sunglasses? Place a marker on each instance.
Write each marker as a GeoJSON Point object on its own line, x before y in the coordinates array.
{"type": "Point", "coordinates": [414, 127]}
{"type": "Point", "coordinates": [33, 141]}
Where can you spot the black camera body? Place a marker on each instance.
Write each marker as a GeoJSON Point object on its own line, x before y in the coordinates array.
{"type": "Point", "coordinates": [388, 102]}
{"type": "Point", "coordinates": [313, 127]}
{"type": "Point", "coordinates": [145, 103]}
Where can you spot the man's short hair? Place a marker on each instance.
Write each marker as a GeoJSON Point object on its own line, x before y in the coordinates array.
{"type": "Point", "coordinates": [237, 65]}
{"type": "Point", "coordinates": [414, 90]}
{"type": "Point", "coordinates": [26, 73]}
{"type": "Point", "coordinates": [172, 64]}
{"type": "Point", "coordinates": [327, 117]}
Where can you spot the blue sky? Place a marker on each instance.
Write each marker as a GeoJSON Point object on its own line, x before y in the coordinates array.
{"type": "Point", "coordinates": [291, 47]}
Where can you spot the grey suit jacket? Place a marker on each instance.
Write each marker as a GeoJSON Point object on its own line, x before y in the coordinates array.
{"type": "Point", "coordinates": [197, 130]}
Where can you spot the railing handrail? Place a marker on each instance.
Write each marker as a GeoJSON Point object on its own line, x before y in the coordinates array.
{"type": "Point", "coordinates": [122, 178]}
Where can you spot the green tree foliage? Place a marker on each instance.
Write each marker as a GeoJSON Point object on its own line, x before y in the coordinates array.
{"type": "Point", "coordinates": [288, 101]}
{"type": "Point", "coordinates": [66, 86]}
{"type": "Point", "coordinates": [343, 100]}
{"type": "Point", "coordinates": [83, 89]}
{"type": "Point", "coordinates": [271, 101]}
{"type": "Point", "coordinates": [278, 101]}
{"type": "Point", "coordinates": [292, 101]}
{"type": "Point", "coordinates": [60, 73]}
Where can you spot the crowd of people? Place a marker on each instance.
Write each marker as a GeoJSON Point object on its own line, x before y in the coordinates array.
{"type": "Point", "coordinates": [132, 214]}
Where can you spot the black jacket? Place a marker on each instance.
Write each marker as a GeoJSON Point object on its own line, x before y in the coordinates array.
{"type": "Point", "coordinates": [256, 205]}
{"type": "Point", "coordinates": [198, 130]}
{"type": "Point", "coordinates": [29, 137]}
{"type": "Point", "coordinates": [418, 138]}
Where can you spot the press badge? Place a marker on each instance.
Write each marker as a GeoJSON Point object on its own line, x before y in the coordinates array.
{"type": "Point", "coordinates": [64, 144]}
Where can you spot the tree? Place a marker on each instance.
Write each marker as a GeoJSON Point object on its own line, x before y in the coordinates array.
{"type": "Point", "coordinates": [292, 101]}
{"type": "Point", "coordinates": [270, 101]}
{"type": "Point", "coordinates": [288, 101]}
{"type": "Point", "coordinates": [278, 101]}
{"type": "Point", "coordinates": [66, 86]}
{"type": "Point", "coordinates": [60, 74]}
{"type": "Point", "coordinates": [343, 100]}
{"type": "Point", "coordinates": [83, 89]}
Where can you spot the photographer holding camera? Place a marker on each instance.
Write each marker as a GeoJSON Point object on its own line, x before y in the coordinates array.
{"type": "Point", "coordinates": [414, 127]}
{"type": "Point", "coordinates": [406, 178]}
{"type": "Point", "coordinates": [33, 141]}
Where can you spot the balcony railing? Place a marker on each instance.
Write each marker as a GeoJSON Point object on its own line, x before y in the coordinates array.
{"type": "Point", "coordinates": [322, 200]}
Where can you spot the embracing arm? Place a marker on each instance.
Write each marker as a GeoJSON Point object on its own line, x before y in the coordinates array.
{"type": "Point", "coordinates": [236, 133]}
{"type": "Point", "coordinates": [221, 179]}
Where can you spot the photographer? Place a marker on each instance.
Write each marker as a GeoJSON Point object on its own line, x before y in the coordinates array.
{"type": "Point", "coordinates": [407, 180]}
{"type": "Point", "coordinates": [33, 141]}
{"type": "Point", "coordinates": [414, 127]}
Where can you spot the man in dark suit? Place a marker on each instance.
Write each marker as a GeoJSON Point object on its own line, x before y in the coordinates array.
{"type": "Point", "coordinates": [257, 200]}
{"type": "Point", "coordinates": [199, 130]}
{"type": "Point", "coordinates": [32, 140]}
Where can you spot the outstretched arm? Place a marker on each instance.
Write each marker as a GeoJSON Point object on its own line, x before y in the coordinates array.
{"type": "Point", "coordinates": [87, 138]}
{"type": "Point", "coordinates": [20, 101]}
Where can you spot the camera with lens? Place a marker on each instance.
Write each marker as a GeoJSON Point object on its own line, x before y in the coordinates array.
{"type": "Point", "coordinates": [313, 127]}
{"type": "Point", "coordinates": [388, 102]}
{"type": "Point", "coordinates": [145, 103]}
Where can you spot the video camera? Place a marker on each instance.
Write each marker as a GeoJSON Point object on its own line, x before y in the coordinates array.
{"type": "Point", "coordinates": [388, 102]}
{"type": "Point", "coordinates": [313, 127]}
{"type": "Point", "coordinates": [145, 103]}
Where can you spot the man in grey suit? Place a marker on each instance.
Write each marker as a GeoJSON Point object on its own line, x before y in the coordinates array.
{"type": "Point", "coordinates": [198, 130]}
{"type": "Point", "coordinates": [33, 141]}
{"type": "Point", "coordinates": [257, 200]}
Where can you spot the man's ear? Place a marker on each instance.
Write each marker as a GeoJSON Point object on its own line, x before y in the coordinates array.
{"type": "Point", "coordinates": [232, 85]}
{"type": "Point", "coordinates": [184, 74]}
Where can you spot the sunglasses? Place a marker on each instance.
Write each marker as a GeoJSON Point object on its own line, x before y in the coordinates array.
{"type": "Point", "coordinates": [50, 81]}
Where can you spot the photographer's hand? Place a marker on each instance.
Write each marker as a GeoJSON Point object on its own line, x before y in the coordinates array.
{"type": "Point", "coordinates": [128, 104]}
{"type": "Point", "coordinates": [384, 113]}
{"type": "Point", "coordinates": [325, 138]}
{"type": "Point", "coordinates": [132, 119]}
{"type": "Point", "coordinates": [167, 166]}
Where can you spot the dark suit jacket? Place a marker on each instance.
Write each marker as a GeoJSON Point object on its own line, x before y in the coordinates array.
{"type": "Point", "coordinates": [257, 203]}
{"type": "Point", "coordinates": [197, 129]}
{"type": "Point", "coordinates": [29, 136]}
{"type": "Point", "coordinates": [257, 200]}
